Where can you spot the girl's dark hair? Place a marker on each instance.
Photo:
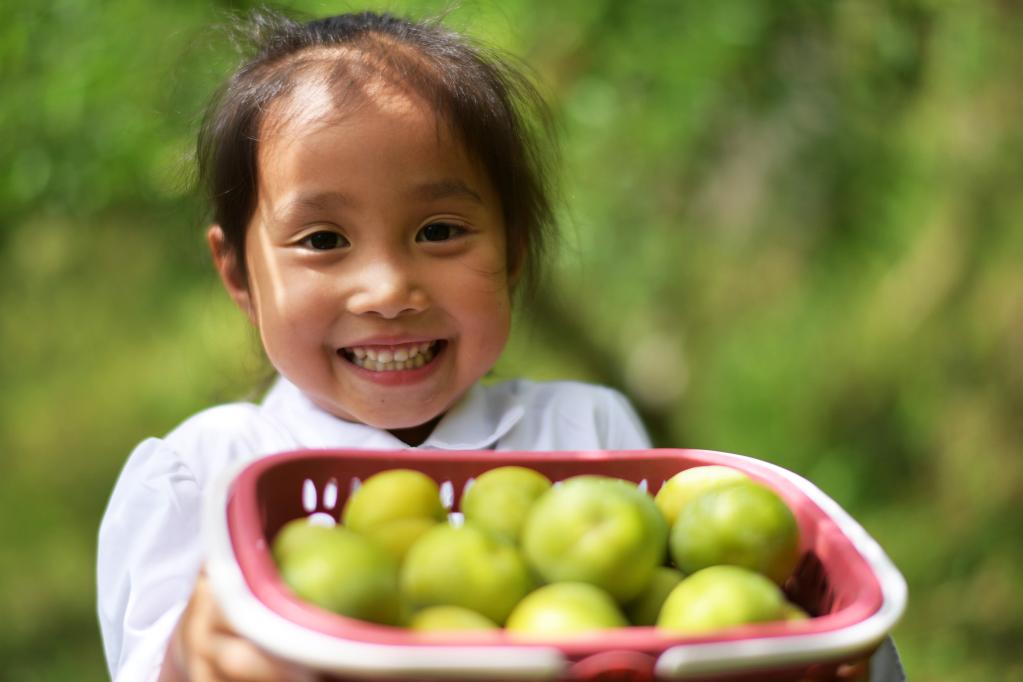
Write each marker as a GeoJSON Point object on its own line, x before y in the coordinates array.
{"type": "Point", "coordinates": [491, 106]}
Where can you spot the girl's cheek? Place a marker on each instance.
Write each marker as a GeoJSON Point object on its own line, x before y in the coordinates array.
{"type": "Point", "coordinates": [288, 298]}
{"type": "Point", "coordinates": [492, 264]}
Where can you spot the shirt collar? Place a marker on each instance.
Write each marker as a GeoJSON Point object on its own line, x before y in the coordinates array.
{"type": "Point", "coordinates": [476, 422]}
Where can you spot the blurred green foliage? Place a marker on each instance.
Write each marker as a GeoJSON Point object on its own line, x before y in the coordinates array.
{"type": "Point", "coordinates": [791, 230]}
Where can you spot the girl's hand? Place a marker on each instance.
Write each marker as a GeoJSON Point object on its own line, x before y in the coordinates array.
{"type": "Point", "coordinates": [204, 648]}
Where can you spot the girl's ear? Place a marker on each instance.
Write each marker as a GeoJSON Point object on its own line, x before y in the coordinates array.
{"type": "Point", "coordinates": [231, 271]}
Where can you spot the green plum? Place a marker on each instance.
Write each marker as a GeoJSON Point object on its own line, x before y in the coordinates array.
{"type": "Point", "coordinates": [720, 597]}
{"type": "Point", "coordinates": [500, 499]}
{"type": "Point", "coordinates": [681, 488]}
{"type": "Point", "coordinates": [568, 608]}
{"type": "Point", "coordinates": [295, 535]}
{"type": "Point", "coordinates": [598, 530]}
{"type": "Point", "coordinates": [394, 508]}
{"type": "Point", "coordinates": [745, 524]}
{"type": "Point", "coordinates": [465, 566]}
{"type": "Point", "coordinates": [450, 619]}
{"type": "Point", "coordinates": [794, 612]}
{"type": "Point", "coordinates": [645, 607]}
{"type": "Point", "coordinates": [341, 571]}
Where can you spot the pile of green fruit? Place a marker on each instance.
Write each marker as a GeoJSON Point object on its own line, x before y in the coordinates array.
{"type": "Point", "coordinates": [589, 553]}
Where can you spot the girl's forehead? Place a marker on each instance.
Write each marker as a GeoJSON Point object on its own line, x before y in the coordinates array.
{"type": "Point", "coordinates": [315, 102]}
{"type": "Point", "coordinates": [327, 83]}
{"type": "Point", "coordinates": [314, 119]}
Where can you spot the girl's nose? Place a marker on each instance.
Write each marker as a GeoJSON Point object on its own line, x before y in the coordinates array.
{"type": "Point", "coordinates": [388, 290]}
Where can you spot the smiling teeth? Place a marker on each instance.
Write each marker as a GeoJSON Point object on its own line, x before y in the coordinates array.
{"type": "Point", "coordinates": [392, 359]}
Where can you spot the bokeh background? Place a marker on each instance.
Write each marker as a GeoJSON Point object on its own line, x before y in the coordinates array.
{"type": "Point", "coordinates": [791, 229]}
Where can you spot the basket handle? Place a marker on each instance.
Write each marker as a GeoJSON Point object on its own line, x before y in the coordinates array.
{"type": "Point", "coordinates": [614, 666]}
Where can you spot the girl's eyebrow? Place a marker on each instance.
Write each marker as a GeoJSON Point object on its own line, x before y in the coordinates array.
{"type": "Point", "coordinates": [433, 190]}
{"type": "Point", "coordinates": [447, 188]}
{"type": "Point", "coordinates": [319, 201]}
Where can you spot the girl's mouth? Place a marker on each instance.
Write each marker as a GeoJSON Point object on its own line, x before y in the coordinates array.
{"type": "Point", "coordinates": [393, 358]}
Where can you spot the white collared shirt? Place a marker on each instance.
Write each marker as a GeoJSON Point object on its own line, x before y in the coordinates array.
{"type": "Point", "coordinates": [149, 541]}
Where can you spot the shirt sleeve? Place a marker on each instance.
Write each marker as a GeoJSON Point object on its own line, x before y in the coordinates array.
{"type": "Point", "coordinates": [885, 665]}
{"type": "Point", "coordinates": [148, 557]}
{"type": "Point", "coordinates": [623, 429]}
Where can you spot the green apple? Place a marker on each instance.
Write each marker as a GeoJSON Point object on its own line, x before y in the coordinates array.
{"type": "Point", "coordinates": [500, 499]}
{"type": "Point", "coordinates": [449, 619]}
{"type": "Point", "coordinates": [678, 490]}
{"type": "Point", "coordinates": [341, 571]}
{"type": "Point", "coordinates": [465, 566]}
{"type": "Point", "coordinates": [645, 607]}
{"type": "Point", "coordinates": [598, 530]}
{"type": "Point", "coordinates": [745, 524]}
{"type": "Point", "coordinates": [394, 508]}
{"type": "Point", "coordinates": [567, 608]}
{"type": "Point", "coordinates": [720, 597]}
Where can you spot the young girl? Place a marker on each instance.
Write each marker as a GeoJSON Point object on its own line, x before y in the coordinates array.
{"type": "Point", "coordinates": [378, 195]}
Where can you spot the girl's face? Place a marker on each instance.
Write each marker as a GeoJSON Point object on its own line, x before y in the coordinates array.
{"type": "Point", "coordinates": [376, 259]}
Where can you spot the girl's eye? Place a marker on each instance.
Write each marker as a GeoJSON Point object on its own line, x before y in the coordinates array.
{"type": "Point", "coordinates": [325, 241]}
{"type": "Point", "coordinates": [438, 232]}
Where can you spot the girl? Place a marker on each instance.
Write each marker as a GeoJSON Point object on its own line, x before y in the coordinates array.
{"type": "Point", "coordinates": [378, 194]}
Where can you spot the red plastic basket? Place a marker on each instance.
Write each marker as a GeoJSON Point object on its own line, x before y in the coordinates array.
{"type": "Point", "coordinates": [844, 579]}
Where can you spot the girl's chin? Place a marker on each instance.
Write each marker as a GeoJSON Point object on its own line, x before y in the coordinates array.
{"type": "Point", "coordinates": [395, 422]}
{"type": "Point", "coordinates": [405, 425]}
